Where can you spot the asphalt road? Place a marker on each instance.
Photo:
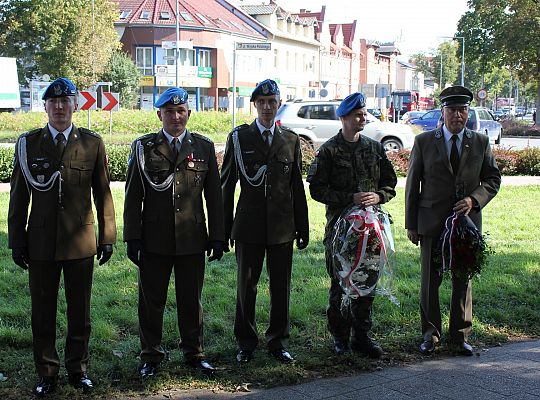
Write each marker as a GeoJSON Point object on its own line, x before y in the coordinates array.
{"type": "Point", "coordinates": [516, 143]}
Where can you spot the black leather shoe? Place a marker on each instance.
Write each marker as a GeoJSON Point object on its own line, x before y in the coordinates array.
{"type": "Point", "coordinates": [148, 370]}
{"type": "Point", "coordinates": [282, 356]}
{"type": "Point", "coordinates": [244, 356]}
{"type": "Point", "coordinates": [341, 348]}
{"type": "Point", "coordinates": [367, 347]}
{"type": "Point", "coordinates": [81, 381]}
{"type": "Point", "coordinates": [201, 364]}
{"type": "Point", "coordinates": [45, 386]}
{"type": "Point", "coordinates": [427, 347]}
{"type": "Point", "coordinates": [465, 349]}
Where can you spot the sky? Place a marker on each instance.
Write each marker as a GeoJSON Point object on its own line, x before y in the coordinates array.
{"type": "Point", "coordinates": [417, 25]}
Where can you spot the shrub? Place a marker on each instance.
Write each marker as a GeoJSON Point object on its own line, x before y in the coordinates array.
{"type": "Point", "coordinates": [308, 154]}
{"type": "Point", "coordinates": [506, 160]}
{"type": "Point", "coordinates": [512, 127]}
{"type": "Point", "coordinates": [528, 161]}
{"type": "Point", "coordinates": [400, 161]}
{"type": "Point", "coordinates": [118, 157]}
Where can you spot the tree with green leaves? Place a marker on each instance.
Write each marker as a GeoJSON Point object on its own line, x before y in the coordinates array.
{"type": "Point", "coordinates": [125, 76]}
{"type": "Point", "coordinates": [504, 34]}
{"type": "Point", "coordinates": [447, 51]}
{"type": "Point", "coordinates": [67, 38]}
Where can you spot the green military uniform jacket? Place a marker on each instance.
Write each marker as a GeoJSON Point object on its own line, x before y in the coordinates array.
{"type": "Point", "coordinates": [175, 225]}
{"type": "Point", "coordinates": [430, 192]}
{"type": "Point", "coordinates": [276, 210]}
{"type": "Point", "coordinates": [342, 168]}
{"type": "Point", "coordinates": [61, 226]}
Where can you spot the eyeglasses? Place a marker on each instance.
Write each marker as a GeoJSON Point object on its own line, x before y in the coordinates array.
{"type": "Point", "coordinates": [459, 109]}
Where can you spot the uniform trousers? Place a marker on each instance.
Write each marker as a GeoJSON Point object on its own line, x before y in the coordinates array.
{"type": "Point", "coordinates": [154, 275]}
{"type": "Point", "coordinates": [250, 259]}
{"type": "Point", "coordinates": [430, 312]}
{"type": "Point", "coordinates": [44, 279]}
{"type": "Point", "coordinates": [358, 318]}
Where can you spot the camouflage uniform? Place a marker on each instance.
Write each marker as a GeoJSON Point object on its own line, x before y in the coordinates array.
{"type": "Point", "coordinates": [339, 170]}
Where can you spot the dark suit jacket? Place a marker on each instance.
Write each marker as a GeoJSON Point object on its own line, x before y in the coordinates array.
{"type": "Point", "coordinates": [274, 212]}
{"type": "Point", "coordinates": [431, 187]}
{"type": "Point", "coordinates": [167, 225]}
{"type": "Point", "coordinates": [62, 231]}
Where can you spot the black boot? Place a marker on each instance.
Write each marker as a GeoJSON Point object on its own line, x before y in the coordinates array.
{"type": "Point", "coordinates": [363, 344]}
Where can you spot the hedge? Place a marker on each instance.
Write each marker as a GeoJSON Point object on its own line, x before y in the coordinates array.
{"type": "Point", "coordinates": [511, 162]}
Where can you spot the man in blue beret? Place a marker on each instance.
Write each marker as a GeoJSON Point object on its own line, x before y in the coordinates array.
{"type": "Point", "coordinates": [57, 170]}
{"type": "Point", "coordinates": [451, 169]}
{"type": "Point", "coordinates": [270, 214]}
{"type": "Point", "coordinates": [163, 235]}
{"type": "Point", "coordinates": [350, 169]}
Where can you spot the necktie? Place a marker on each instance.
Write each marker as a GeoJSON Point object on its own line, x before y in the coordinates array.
{"type": "Point", "coordinates": [60, 143]}
{"type": "Point", "coordinates": [266, 137]}
{"type": "Point", "coordinates": [454, 154]}
{"type": "Point", "coordinates": [175, 146]}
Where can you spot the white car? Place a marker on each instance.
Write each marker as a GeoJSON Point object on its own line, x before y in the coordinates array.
{"type": "Point", "coordinates": [316, 122]}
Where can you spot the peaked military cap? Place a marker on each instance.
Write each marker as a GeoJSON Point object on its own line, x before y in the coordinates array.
{"type": "Point", "coordinates": [174, 96]}
{"type": "Point", "coordinates": [456, 95]}
{"type": "Point", "coordinates": [268, 87]}
{"type": "Point", "coordinates": [59, 88]}
{"type": "Point", "coordinates": [351, 102]}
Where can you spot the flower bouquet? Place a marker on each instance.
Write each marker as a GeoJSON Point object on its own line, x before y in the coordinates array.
{"type": "Point", "coordinates": [361, 247]}
{"type": "Point", "coordinates": [462, 247]}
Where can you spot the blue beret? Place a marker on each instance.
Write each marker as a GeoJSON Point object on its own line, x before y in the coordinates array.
{"type": "Point", "coordinates": [174, 96]}
{"type": "Point", "coordinates": [351, 102]}
{"type": "Point", "coordinates": [59, 88]}
{"type": "Point", "coordinates": [268, 87]}
{"type": "Point", "coordinates": [456, 95]}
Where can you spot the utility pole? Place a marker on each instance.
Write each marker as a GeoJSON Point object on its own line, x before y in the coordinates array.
{"type": "Point", "coordinates": [176, 49]}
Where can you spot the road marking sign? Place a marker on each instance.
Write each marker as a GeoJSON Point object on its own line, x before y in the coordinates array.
{"type": "Point", "coordinates": [87, 101]}
{"type": "Point", "coordinates": [110, 101]}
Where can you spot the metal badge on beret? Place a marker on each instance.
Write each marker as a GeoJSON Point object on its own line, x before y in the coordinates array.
{"type": "Point", "coordinates": [176, 100]}
{"type": "Point", "coordinates": [57, 90]}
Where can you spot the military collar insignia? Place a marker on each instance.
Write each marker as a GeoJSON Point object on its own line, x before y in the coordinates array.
{"type": "Point", "coordinates": [468, 134]}
{"type": "Point", "coordinates": [438, 134]}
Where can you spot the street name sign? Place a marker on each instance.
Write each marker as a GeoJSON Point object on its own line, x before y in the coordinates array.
{"type": "Point", "coordinates": [253, 46]}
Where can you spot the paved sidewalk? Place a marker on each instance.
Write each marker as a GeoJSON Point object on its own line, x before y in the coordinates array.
{"type": "Point", "coordinates": [511, 371]}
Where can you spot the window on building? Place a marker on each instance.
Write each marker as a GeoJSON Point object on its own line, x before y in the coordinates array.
{"type": "Point", "coordinates": [124, 14]}
{"type": "Point", "coordinates": [187, 57]}
{"type": "Point", "coordinates": [203, 18]}
{"type": "Point", "coordinates": [164, 15]}
{"type": "Point", "coordinates": [276, 58]}
{"type": "Point", "coordinates": [204, 58]}
{"type": "Point", "coordinates": [186, 16]}
{"type": "Point", "coordinates": [145, 15]}
{"type": "Point", "coordinates": [169, 56]}
{"type": "Point", "coordinates": [143, 60]}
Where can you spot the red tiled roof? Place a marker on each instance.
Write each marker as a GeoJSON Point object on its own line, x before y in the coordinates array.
{"type": "Point", "coordinates": [211, 14]}
{"type": "Point", "coordinates": [319, 15]}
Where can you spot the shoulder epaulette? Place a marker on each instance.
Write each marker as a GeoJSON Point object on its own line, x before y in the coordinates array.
{"type": "Point", "coordinates": [147, 136]}
{"type": "Point", "coordinates": [89, 132]}
{"type": "Point", "coordinates": [240, 127]}
{"type": "Point", "coordinates": [199, 136]}
{"type": "Point", "coordinates": [31, 133]}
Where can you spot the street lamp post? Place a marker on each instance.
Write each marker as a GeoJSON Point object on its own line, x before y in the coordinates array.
{"type": "Point", "coordinates": [462, 58]}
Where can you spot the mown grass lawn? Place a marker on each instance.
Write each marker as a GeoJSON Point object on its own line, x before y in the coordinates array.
{"type": "Point", "coordinates": [506, 306]}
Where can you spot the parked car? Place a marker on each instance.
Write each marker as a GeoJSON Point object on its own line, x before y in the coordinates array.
{"type": "Point", "coordinates": [429, 120]}
{"type": "Point", "coordinates": [481, 120]}
{"type": "Point", "coordinates": [316, 122]}
{"type": "Point", "coordinates": [410, 116]}
{"type": "Point", "coordinates": [375, 112]}
{"type": "Point", "coordinates": [497, 115]}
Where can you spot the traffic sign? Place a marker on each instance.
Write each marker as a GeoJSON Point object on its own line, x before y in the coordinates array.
{"type": "Point", "coordinates": [482, 94]}
{"type": "Point", "coordinates": [110, 101]}
{"type": "Point", "coordinates": [323, 93]}
{"type": "Point", "coordinates": [253, 46]}
{"type": "Point", "coordinates": [87, 101]}
{"type": "Point", "coordinates": [182, 44]}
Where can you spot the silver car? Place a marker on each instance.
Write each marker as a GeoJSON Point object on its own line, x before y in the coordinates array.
{"type": "Point", "coordinates": [316, 122]}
